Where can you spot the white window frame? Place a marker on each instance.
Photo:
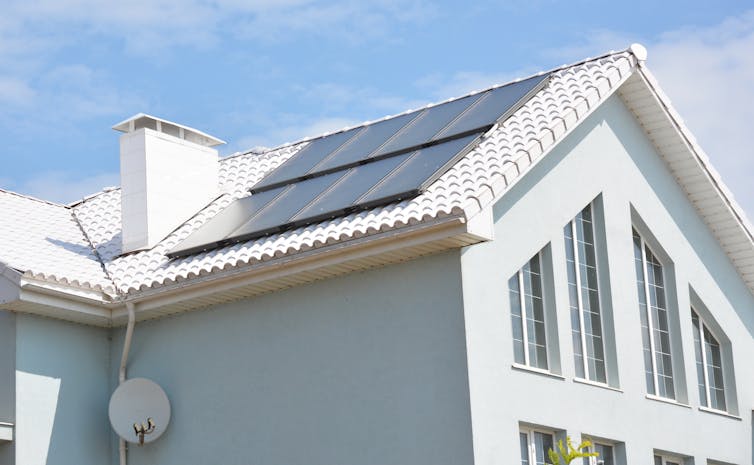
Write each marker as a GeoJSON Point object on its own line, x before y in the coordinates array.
{"type": "Point", "coordinates": [669, 459]}
{"type": "Point", "coordinates": [529, 432]}
{"type": "Point", "coordinates": [522, 303]}
{"type": "Point", "coordinates": [599, 460]}
{"type": "Point", "coordinates": [650, 324]}
{"type": "Point", "coordinates": [580, 298]}
{"type": "Point", "coordinates": [703, 326]}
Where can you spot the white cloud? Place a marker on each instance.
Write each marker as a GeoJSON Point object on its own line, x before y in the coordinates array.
{"type": "Point", "coordinates": [65, 186]}
{"type": "Point", "coordinates": [708, 72]}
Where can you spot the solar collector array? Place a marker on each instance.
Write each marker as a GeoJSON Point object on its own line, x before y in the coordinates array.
{"type": "Point", "coordinates": [361, 168]}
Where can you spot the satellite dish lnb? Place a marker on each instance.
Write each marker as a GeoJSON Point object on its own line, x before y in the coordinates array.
{"type": "Point", "coordinates": [139, 410]}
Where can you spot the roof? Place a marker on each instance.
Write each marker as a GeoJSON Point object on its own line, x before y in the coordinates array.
{"type": "Point", "coordinates": [80, 244]}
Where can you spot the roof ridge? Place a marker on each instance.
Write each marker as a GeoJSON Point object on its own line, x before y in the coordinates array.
{"type": "Point", "coordinates": [429, 105]}
{"type": "Point", "coordinates": [30, 197]}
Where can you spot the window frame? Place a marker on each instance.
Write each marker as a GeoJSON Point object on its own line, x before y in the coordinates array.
{"type": "Point", "coordinates": [645, 246]}
{"type": "Point", "coordinates": [700, 333]}
{"type": "Point", "coordinates": [667, 459]}
{"type": "Point", "coordinates": [519, 275]}
{"type": "Point", "coordinates": [598, 460]}
{"type": "Point", "coordinates": [572, 245]}
{"type": "Point", "coordinates": [531, 444]}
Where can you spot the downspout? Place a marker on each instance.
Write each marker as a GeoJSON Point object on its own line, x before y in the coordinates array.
{"type": "Point", "coordinates": [131, 307]}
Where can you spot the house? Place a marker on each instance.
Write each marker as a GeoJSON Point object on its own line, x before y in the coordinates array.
{"type": "Point", "coordinates": [466, 283]}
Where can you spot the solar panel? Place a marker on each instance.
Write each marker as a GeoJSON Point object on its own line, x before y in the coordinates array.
{"type": "Point", "coordinates": [279, 212]}
{"type": "Point", "coordinates": [342, 195]}
{"type": "Point", "coordinates": [383, 162]}
{"type": "Point", "coordinates": [493, 105]}
{"type": "Point", "coordinates": [300, 163]}
{"type": "Point", "coordinates": [429, 123]}
{"type": "Point", "coordinates": [222, 225]}
{"type": "Point", "coordinates": [419, 170]}
{"type": "Point", "coordinates": [365, 142]}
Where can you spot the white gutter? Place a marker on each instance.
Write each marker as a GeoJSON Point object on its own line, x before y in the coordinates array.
{"type": "Point", "coordinates": [123, 360]}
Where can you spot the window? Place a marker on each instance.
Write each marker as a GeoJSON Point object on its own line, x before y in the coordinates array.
{"type": "Point", "coordinates": [709, 365]}
{"type": "Point", "coordinates": [528, 315]}
{"type": "Point", "coordinates": [605, 456]}
{"type": "Point", "coordinates": [663, 460]}
{"type": "Point", "coordinates": [655, 330]}
{"type": "Point", "coordinates": [534, 447]}
{"type": "Point", "coordinates": [586, 322]}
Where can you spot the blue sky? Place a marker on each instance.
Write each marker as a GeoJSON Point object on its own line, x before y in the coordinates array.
{"type": "Point", "coordinates": [265, 72]}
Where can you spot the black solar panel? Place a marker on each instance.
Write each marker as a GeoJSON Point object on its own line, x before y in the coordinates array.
{"type": "Point", "coordinates": [300, 163]}
{"type": "Point", "coordinates": [361, 146]}
{"type": "Point", "coordinates": [430, 122]}
{"type": "Point", "coordinates": [360, 168]}
{"type": "Point", "coordinates": [417, 171]}
{"type": "Point", "coordinates": [493, 105]}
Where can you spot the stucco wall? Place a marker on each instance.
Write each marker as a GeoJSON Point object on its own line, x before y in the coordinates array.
{"type": "Point", "coordinates": [368, 368]}
{"type": "Point", "coordinates": [607, 155]}
{"type": "Point", "coordinates": [61, 393]}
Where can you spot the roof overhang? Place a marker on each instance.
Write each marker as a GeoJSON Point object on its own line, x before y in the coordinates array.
{"type": "Point", "coordinates": [91, 307]}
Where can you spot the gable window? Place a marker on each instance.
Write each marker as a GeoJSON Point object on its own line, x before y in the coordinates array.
{"type": "Point", "coordinates": [583, 288]}
{"type": "Point", "coordinates": [709, 365]}
{"type": "Point", "coordinates": [605, 456]}
{"type": "Point", "coordinates": [534, 447]}
{"type": "Point", "coordinates": [655, 329]}
{"type": "Point", "coordinates": [527, 304]}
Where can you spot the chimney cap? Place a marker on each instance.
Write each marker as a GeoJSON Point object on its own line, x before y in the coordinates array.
{"type": "Point", "coordinates": [142, 120]}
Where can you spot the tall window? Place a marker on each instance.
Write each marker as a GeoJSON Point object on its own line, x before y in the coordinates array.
{"type": "Point", "coordinates": [534, 447]}
{"type": "Point", "coordinates": [655, 330]}
{"type": "Point", "coordinates": [605, 456]}
{"type": "Point", "coordinates": [586, 322]}
{"type": "Point", "coordinates": [528, 315]}
{"type": "Point", "coordinates": [709, 365]}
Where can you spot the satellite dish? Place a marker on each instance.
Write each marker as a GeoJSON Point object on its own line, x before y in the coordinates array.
{"type": "Point", "coordinates": [139, 410]}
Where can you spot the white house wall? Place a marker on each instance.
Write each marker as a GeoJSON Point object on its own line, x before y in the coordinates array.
{"type": "Point", "coordinates": [607, 155]}
{"type": "Point", "coordinates": [62, 393]}
{"type": "Point", "coordinates": [367, 368]}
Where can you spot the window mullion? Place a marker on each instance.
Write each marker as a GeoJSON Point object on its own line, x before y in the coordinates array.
{"type": "Point", "coordinates": [579, 297]}
{"type": "Point", "coordinates": [524, 317]}
{"type": "Point", "coordinates": [650, 325]}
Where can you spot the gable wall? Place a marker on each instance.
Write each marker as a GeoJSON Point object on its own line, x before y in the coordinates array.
{"type": "Point", "coordinates": [608, 155]}
{"type": "Point", "coordinates": [367, 368]}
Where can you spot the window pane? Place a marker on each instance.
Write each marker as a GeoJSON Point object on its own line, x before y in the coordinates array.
{"type": "Point", "coordinates": [654, 320]}
{"type": "Point", "coordinates": [658, 460]}
{"type": "Point", "coordinates": [516, 320]}
{"type": "Point", "coordinates": [714, 371]}
{"type": "Point", "coordinates": [583, 287]}
{"type": "Point", "coordinates": [542, 444]}
{"type": "Point", "coordinates": [524, 440]}
{"type": "Point", "coordinates": [605, 456]}
{"type": "Point", "coordinates": [529, 335]}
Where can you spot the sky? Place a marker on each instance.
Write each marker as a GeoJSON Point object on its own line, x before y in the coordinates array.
{"type": "Point", "coordinates": [259, 73]}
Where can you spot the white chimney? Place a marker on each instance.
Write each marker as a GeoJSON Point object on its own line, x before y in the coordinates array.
{"type": "Point", "coordinates": [168, 172]}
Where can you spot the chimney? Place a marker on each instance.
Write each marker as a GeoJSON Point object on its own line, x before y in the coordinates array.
{"type": "Point", "coordinates": [168, 172]}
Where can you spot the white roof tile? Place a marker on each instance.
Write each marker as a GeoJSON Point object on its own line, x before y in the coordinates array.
{"type": "Point", "coordinates": [44, 240]}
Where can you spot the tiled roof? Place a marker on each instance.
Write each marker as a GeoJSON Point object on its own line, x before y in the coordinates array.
{"type": "Point", "coordinates": [502, 156]}
{"type": "Point", "coordinates": [54, 242]}
{"type": "Point", "coordinates": [44, 240]}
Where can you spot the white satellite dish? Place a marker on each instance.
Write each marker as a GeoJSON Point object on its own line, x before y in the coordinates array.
{"type": "Point", "coordinates": [139, 410]}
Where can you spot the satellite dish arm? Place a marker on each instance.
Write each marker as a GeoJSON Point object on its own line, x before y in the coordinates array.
{"type": "Point", "coordinates": [131, 307]}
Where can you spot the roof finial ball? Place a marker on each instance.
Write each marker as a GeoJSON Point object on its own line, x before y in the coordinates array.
{"type": "Point", "coordinates": [639, 51]}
